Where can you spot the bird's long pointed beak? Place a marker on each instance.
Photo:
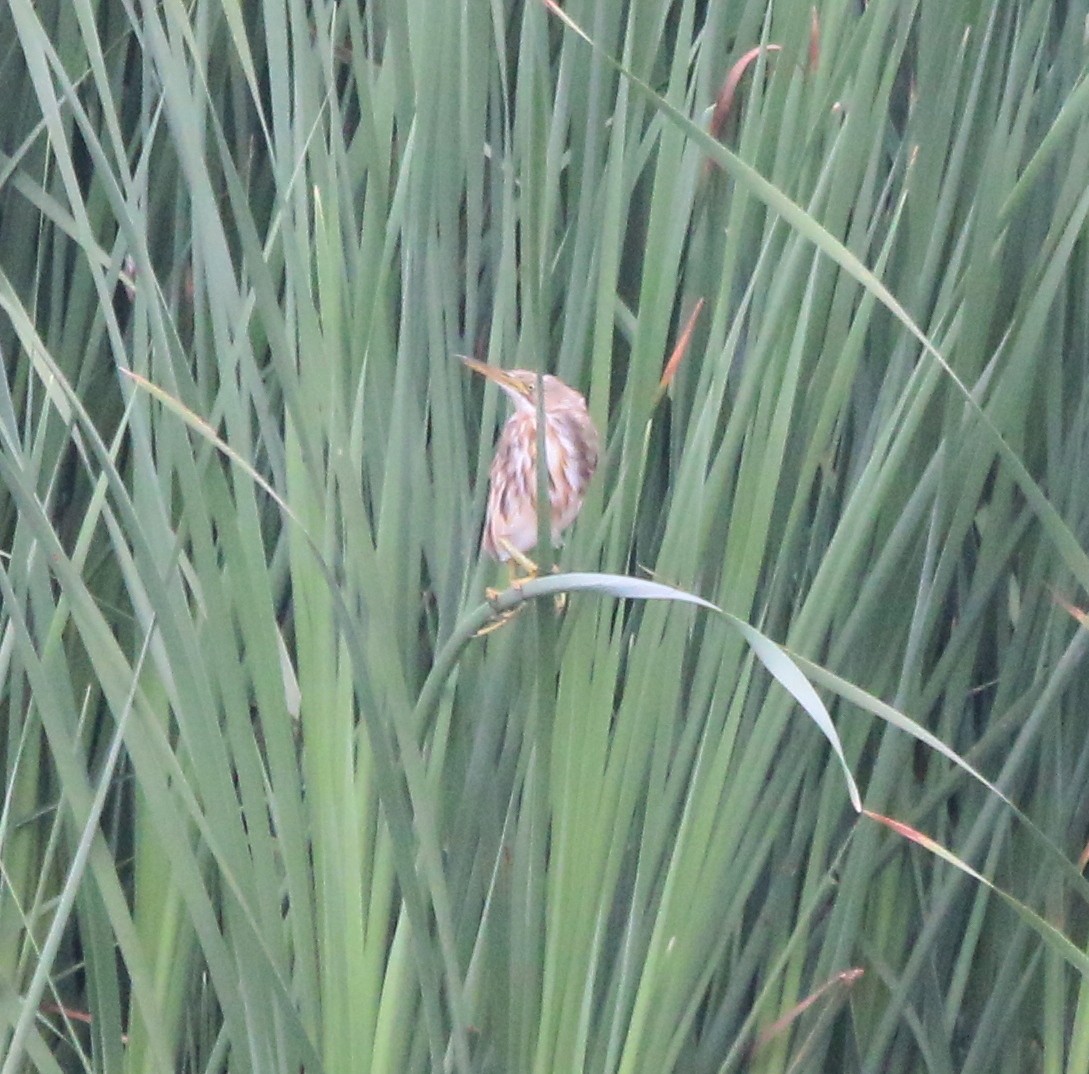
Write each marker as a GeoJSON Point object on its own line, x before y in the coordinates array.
{"type": "Point", "coordinates": [494, 373]}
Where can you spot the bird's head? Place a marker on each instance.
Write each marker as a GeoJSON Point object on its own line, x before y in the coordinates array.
{"type": "Point", "coordinates": [521, 386]}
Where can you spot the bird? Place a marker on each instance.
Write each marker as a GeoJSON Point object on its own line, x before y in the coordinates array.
{"type": "Point", "coordinates": [572, 446]}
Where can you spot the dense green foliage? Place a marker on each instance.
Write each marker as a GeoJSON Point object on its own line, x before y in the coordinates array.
{"type": "Point", "coordinates": [268, 803]}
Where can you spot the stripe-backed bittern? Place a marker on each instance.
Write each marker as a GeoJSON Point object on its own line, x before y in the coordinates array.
{"type": "Point", "coordinates": [571, 442]}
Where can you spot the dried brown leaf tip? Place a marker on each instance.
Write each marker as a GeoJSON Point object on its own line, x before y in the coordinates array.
{"type": "Point", "coordinates": [830, 991]}
{"type": "Point", "coordinates": [724, 102]}
{"type": "Point", "coordinates": [1071, 610]}
{"type": "Point", "coordinates": [680, 349]}
{"type": "Point", "coordinates": [814, 40]}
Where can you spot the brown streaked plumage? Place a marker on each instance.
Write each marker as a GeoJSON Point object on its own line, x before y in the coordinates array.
{"type": "Point", "coordinates": [572, 445]}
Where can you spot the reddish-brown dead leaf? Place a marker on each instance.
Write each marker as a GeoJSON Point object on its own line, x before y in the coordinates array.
{"type": "Point", "coordinates": [908, 832]}
{"type": "Point", "coordinates": [1070, 609]}
{"type": "Point", "coordinates": [725, 100]}
{"type": "Point", "coordinates": [842, 980]}
{"type": "Point", "coordinates": [71, 1015]}
{"type": "Point", "coordinates": [680, 349]}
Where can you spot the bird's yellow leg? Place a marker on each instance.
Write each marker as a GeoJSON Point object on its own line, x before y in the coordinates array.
{"type": "Point", "coordinates": [530, 571]}
{"type": "Point", "coordinates": [491, 594]}
{"type": "Point", "coordinates": [516, 560]}
{"type": "Point", "coordinates": [501, 619]}
{"type": "Point", "coordinates": [517, 557]}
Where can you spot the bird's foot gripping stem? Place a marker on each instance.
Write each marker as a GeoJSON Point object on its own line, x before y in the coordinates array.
{"type": "Point", "coordinates": [522, 569]}
{"type": "Point", "coordinates": [518, 560]}
{"type": "Point", "coordinates": [502, 617]}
